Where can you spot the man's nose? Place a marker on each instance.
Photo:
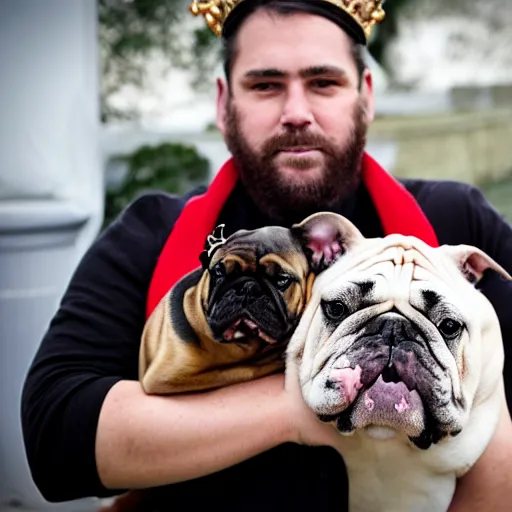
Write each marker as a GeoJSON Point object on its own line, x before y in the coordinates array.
{"type": "Point", "coordinates": [297, 111]}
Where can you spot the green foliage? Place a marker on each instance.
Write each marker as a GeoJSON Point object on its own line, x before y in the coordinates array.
{"type": "Point", "coordinates": [174, 168]}
{"type": "Point", "coordinates": [388, 29]}
{"type": "Point", "coordinates": [131, 32]}
{"type": "Point", "coordinates": [206, 51]}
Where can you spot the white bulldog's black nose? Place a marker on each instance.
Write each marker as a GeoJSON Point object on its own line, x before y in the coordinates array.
{"type": "Point", "coordinates": [395, 328]}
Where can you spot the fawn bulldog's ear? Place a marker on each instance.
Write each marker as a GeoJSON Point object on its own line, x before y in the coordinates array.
{"type": "Point", "coordinates": [325, 237]}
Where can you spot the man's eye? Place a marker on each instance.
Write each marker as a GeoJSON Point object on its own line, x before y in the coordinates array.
{"type": "Point", "coordinates": [322, 84]}
{"type": "Point", "coordinates": [265, 86]}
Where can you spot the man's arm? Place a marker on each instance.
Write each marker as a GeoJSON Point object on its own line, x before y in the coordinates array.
{"type": "Point", "coordinates": [488, 485]}
{"type": "Point", "coordinates": [146, 441]}
{"type": "Point", "coordinates": [87, 426]}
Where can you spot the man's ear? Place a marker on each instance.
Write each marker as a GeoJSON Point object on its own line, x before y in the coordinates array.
{"type": "Point", "coordinates": [366, 95]}
{"type": "Point", "coordinates": [473, 262]}
{"type": "Point", "coordinates": [324, 237]}
{"type": "Point", "coordinates": [222, 104]}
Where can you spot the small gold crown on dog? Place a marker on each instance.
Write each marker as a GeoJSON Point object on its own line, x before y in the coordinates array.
{"type": "Point", "coordinates": [364, 12]}
{"type": "Point", "coordinates": [215, 240]}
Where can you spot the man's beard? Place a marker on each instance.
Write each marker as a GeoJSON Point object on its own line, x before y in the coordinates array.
{"type": "Point", "coordinates": [289, 201]}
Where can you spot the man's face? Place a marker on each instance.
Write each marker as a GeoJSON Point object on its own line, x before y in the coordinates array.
{"type": "Point", "coordinates": [295, 119]}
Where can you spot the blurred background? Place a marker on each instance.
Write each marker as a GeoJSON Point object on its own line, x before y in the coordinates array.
{"type": "Point", "coordinates": [101, 100]}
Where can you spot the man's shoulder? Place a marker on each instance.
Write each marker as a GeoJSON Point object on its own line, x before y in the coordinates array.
{"type": "Point", "coordinates": [440, 192]}
{"type": "Point", "coordinates": [156, 209]}
{"type": "Point", "coordinates": [146, 223]}
{"type": "Point", "coordinates": [453, 208]}
{"type": "Point", "coordinates": [160, 201]}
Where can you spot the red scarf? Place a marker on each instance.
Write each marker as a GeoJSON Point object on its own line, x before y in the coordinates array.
{"type": "Point", "coordinates": [396, 207]}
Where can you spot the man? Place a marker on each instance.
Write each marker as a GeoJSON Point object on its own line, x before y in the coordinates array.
{"type": "Point", "coordinates": [294, 111]}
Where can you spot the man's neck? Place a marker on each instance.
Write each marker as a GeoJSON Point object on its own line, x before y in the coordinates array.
{"type": "Point", "coordinates": [241, 212]}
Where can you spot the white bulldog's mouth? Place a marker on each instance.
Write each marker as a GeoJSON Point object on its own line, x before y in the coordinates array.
{"type": "Point", "coordinates": [389, 404]}
{"type": "Point", "coordinates": [387, 378]}
{"type": "Point", "coordinates": [387, 401]}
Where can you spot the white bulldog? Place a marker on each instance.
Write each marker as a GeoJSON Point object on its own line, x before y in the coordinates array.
{"type": "Point", "coordinates": [401, 353]}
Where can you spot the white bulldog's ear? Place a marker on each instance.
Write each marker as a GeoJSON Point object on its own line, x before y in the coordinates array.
{"type": "Point", "coordinates": [473, 262]}
{"type": "Point", "coordinates": [324, 237]}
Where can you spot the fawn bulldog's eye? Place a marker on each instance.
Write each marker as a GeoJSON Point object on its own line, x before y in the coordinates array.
{"type": "Point", "coordinates": [219, 270]}
{"type": "Point", "coordinates": [283, 281]}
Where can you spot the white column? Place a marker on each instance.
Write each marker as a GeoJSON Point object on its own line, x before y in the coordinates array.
{"type": "Point", "coordinates": [51, 194]}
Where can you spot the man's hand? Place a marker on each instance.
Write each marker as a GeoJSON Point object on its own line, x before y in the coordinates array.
{"type": "Point", "coordinates": [306, 428]}
{"type": "Point", "coordinates": [488, 485]}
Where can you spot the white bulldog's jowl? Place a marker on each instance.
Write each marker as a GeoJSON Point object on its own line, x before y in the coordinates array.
{"type": "Point", "coordinates": [401, 353]}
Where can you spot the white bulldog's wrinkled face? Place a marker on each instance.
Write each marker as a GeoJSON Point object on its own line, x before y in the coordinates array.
{"type": "Point", "coordinates": [392, 338]}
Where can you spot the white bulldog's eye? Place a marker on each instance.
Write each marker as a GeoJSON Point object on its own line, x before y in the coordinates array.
{"type": "Point", "coordinates": [450, 328]}
{"type": "Point", "coordinates": [334, 310]}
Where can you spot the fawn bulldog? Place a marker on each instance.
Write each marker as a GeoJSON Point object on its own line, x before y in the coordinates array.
{"type": "Point", "coordinates": [229, 321]}
{"type": "Point", "coordinates": [399, 351]}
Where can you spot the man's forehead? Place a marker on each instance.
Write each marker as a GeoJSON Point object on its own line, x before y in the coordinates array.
{"type": "Point", "coordinates": [267, 37]}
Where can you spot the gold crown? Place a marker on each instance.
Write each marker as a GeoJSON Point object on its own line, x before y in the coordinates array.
{"type": "Point", "coordinates": [366, 13]}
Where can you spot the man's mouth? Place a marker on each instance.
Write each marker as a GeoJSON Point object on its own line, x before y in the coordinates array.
{"type": "Point", "coordinates": [300, 150]}
{"type": "Point", "coordinates": [244, 329]}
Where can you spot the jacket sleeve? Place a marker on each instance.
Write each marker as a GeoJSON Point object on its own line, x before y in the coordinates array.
{"type": "Point", "coordinates": [92, 342]}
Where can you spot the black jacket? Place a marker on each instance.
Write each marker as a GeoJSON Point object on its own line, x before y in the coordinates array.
{"type": "Point", "coordinates": [93, 342]}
